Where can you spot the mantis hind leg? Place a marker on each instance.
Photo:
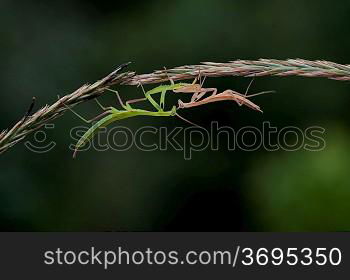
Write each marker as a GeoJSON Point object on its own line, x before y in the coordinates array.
{"type": "Point", "coordinates": [82, 118]}
{"type": "Point", "coordinates": [127, 106]}
{"type": "Point", "coordinates": [170, 79]}
{"type": "Point", "coordinates": [102, 107]}
{"type": "Point", "coordinates": [127, 103]}
{"type": "Point", "coordinates": [85, 120]}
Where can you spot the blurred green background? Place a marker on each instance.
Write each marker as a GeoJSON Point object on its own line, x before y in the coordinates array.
{"type": "Point", "coordinates": [53, 47]}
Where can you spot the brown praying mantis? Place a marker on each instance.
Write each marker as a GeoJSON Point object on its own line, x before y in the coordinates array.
{"type": "Point", "coordinates": [198, 92]}
{"type": "Point", "coordinates": [227, 95]}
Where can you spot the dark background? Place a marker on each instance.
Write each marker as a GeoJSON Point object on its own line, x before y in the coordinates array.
{"type": "Point", "coordinates": [53, 47]}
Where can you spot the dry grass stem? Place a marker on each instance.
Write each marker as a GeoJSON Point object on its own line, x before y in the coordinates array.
{"type": "Point", "coordinates": [246, 68]}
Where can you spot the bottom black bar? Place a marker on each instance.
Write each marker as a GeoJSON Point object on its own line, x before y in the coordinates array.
{"type": "Point", "coordinates": [158, 255]}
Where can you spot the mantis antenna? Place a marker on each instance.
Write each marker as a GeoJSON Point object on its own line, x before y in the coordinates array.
{"type": "Point", "coordinates": [251, 82]}
{"type": "Point", "coordinates": [255, 94]}
{"type": "Point", "coordinates": [185, 120]}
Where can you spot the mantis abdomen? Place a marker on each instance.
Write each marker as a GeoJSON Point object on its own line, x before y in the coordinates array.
{"type": "Point", "coordinates": [115, 116]}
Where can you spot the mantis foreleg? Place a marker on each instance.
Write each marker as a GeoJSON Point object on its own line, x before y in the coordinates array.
{"type": "Point", "coordinates": [162, 98]}
{"type": "Point", "coordinates": [198, 95]}
{"type": "Point", "coordinates": [150, 99]}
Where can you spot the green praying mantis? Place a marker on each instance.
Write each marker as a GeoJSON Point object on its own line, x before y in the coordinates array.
{"type": "Point", "coordinates": [111, 114]}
